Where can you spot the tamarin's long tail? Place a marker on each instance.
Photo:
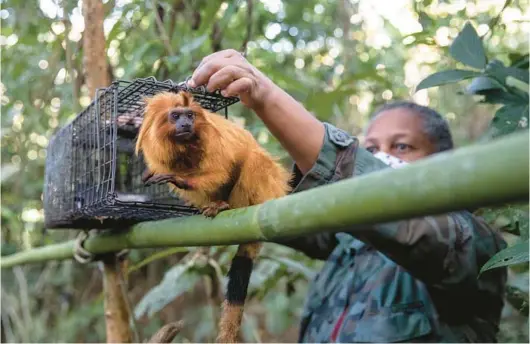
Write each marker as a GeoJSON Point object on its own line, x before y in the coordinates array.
{"type": "Point", "coordinates": [238, 279]}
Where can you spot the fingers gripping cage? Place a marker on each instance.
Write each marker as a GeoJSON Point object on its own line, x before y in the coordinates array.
{"type": "Point", "coordinates": [93, 177]}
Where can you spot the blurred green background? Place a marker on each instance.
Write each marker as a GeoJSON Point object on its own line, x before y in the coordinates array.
{"type": "Point", "coordinates": [341, 59]}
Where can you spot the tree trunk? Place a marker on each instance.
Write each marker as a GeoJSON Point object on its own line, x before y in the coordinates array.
{"type": "Point", "coordinates": [94, 46]}
{"type": "Point", "coordinates": [117, 313]}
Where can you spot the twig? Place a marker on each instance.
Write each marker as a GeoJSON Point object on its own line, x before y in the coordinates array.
{"type": "Point", "coordinates": [494, 21]}
{"type": "Point", "coordinates": [167, 333]}
{"type": "Point", "coordinates": [68, 51]}
{"type": "Point", "coordinates": [162, 30]}
{"type": "Point", "coordinates": [248, 36]}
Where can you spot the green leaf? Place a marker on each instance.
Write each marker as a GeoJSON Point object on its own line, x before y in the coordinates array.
{"type": "Point", "coordinates": [156, 256]}
{"type": "Point", "coordinates": [516, 254]}
{"type": "Point", "coordinates": [516, 83]}
{"type": "Point", "coordinates": [519, 60]}
{"type": "Point", "coordinates": [483, 83]}
{"type": "Point", "coordinates": [493, 91]}
{"type": "Point", "coordinates": [446, 77]}
{"type": "Point", "coordinates": [510, 118]}
{"type": "Point", "coordinates": [323, 102]}
{"type": "Point", "coordinates": [468, 49]}
{"type": "Point", "coordinates": [499, 71]}
{"type": "Point", "coordinates": [496, 96]}
{"type": "Point", "coordinates": [117, 28]}
{"type": "Point", "coordinates": [176, 282]}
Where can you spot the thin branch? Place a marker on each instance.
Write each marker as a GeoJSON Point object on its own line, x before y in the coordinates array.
{"type": "Point", "coordinates": [69, 64]}
{"type": "Point", "coordinates": [248, 36]}
{"type": "Point", "coordinates": [163, 33]}
{"type": "Point", "coordinates": [495, 20]}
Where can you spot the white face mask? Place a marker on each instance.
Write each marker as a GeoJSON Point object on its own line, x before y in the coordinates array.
{"type": "Point", "coordinates": [390, 160]}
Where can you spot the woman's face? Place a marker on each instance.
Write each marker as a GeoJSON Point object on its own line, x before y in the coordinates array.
{"type": "Point", "coordinates": [398, 132]}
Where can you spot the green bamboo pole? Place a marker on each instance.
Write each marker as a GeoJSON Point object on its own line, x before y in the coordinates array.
{"type": "Point", "coordinates": [474, 176]}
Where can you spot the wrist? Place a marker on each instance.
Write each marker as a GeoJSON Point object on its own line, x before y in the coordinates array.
{"type": "Point", "coordinates": [266, 90]}
{"type": "Point", "coordinates": [269, 99]}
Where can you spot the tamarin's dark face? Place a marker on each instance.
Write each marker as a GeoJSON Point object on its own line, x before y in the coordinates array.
{"type": "Point", "coordinates": [172, 118]}
{"type": "Point", "coordinates": [183, 120]}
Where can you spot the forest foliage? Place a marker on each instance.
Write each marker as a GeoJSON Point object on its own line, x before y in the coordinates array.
{"type": "Point", "coordinates": [341, 59]}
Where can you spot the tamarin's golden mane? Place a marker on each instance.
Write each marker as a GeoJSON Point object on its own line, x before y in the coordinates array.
{"type": "Point", "coordinates": [218, 166]}
{"type": "Point", "coordinates": [155, 132]}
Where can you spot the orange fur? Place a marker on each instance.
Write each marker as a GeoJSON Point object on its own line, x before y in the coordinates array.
{"type": "Point", "coordinates": [225, 163]}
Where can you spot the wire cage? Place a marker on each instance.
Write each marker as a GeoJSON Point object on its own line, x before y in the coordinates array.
{"type": "Point", "coordinates": [93, 177]}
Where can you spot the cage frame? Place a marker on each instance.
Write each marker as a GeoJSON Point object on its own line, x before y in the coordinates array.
{"type": "Point", "coordinates": [89, 211]}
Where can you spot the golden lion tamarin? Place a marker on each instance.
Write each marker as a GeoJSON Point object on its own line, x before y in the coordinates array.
{"type": "Point", "coordinates": [214, 165]}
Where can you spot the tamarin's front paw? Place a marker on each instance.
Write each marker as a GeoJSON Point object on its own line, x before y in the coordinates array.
{"type": "Point", "coordinates": [166, 178]}
{"type": "Point", "coordinates": [146, 175]}
{"type": "Point", "coordinates": [214, 208]}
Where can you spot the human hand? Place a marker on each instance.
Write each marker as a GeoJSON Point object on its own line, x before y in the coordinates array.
{"type": "Point", "coordinates": [230, 72]}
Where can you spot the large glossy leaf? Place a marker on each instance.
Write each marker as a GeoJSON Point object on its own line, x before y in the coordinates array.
{"type": "Point", "coordinates": [468, 49]}
{"type": "Point", "coordinates": [483, 83]}
{"type": "Point", "coordinates": [518, 84]}
{"type": "Point", "coordinates": [497, 96]}
{"type": "Point", "coordinates": [519, 60]}
{"type": "Point", "coordinates": [446, 77]}
{"type": "Point", "coordinates": [322, 103]}
{"type": "Point", "coordinates": [513, 255]}
{"type": "Point", "coordinates": [499, 71]}
{"type": "Point", "coordinates": [510, 118]}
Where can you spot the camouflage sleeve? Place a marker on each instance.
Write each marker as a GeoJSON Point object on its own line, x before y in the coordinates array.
{"type": "Point", "coordinates": [319, 246]}
{"type": "Point", "coordinates": [444, 250]}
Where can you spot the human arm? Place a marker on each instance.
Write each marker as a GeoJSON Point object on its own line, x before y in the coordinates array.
{"type": "Point", "coordinates": [286, 119]}
{"type": "Point", "coordinates": [315, 148]}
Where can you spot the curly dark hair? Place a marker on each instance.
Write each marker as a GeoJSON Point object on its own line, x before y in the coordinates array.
{"type": "Point", "coordinates": [435, 126]}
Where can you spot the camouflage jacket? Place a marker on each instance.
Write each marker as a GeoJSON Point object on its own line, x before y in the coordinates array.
{"type": "Point", "coordinates": [411, 281]}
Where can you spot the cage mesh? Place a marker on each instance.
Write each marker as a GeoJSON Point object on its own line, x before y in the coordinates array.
{"type": "Point", "coordinates": [93, 177]}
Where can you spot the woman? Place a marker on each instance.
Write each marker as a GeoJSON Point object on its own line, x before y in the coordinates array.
{"type": "Point", "coordinates": [414, 280]}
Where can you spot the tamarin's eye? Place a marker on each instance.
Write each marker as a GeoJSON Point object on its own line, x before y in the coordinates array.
{"type": "Point", "coordinates": [174, 115]}
{"type": "Point", "coordinates": [190, 115]}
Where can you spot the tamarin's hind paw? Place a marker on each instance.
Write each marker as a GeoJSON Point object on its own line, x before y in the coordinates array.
{"type": "Point", "coordinates": [214, 208]}
{"type": "Point", "coordinates": [166, 178]}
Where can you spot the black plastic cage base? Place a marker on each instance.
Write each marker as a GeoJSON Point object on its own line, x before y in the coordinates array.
{"type": "Point", "coordinates": [93, 177]}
